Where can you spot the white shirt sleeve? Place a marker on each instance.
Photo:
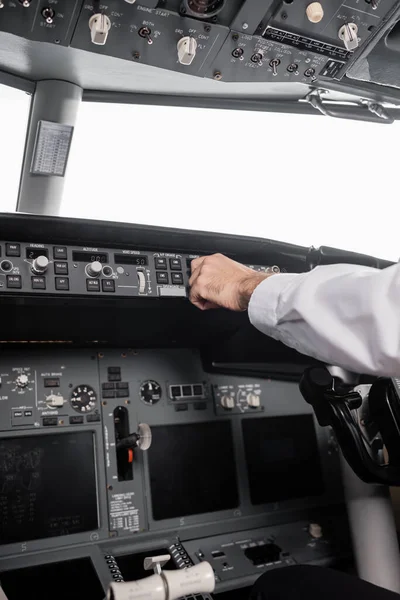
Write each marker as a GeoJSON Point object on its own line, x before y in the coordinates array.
{"type": "Point", "coordinates": [343, 315]}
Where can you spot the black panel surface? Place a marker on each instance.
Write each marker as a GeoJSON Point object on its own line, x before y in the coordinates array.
{"type": "Point", "coordinates": [47, 486]}
{"type": "Point", "coordinates": [132, 565]}
{"type": "Point", "coordinates": [75, 579]}
{"type": "Point", "coordinates": [282, 458]}
{"type": "Point", "coordinates": [192, 470]}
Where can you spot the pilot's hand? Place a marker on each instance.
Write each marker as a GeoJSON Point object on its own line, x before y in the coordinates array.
{"type": "Point", "coordinates": [219, 282]}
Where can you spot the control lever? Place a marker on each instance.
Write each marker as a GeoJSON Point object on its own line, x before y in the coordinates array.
{"type": "Point", "coordinates": [141, 439]}
{"type": "Point", "coordinates": [165, 585]}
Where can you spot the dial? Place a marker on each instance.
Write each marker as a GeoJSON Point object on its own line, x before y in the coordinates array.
{"type": "Point", "coordinates": [83, 398]}
{"type": "Point", "coordinates": [150, 392]}
{"type": "Point", "coordinates": [22, 380]}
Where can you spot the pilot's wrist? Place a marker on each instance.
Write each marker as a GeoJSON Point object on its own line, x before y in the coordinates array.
{"type": "Point", "coordinates": [248, 285]}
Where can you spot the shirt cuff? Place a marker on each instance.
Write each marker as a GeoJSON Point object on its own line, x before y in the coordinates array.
{"type": "Point", "coordinates": [264, 302]}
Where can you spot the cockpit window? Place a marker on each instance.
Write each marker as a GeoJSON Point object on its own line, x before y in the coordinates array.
{"type": "Point", "coordinates": [14, 113]}
{"type": "Point", "coordinates": [302, 179]}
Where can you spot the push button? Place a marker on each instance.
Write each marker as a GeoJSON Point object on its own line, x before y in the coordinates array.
{"type": "Point", "coordinates": [14, 282]}
{"type": "Point", "coordinates": [175, 264]}
{"type": "Point", "coordinates": [93, 418]}
{"type": "Point", "coordinates": [92, 285]}
{"type": "Point", "coordinates": [13, 250]}
{"type": "Point", "coordinates": [61, 268]}
{"type": "Point", "coordinates": [38, 283]}
{"type": "Point", "coordinates": [162, 277]}
{"type": "Point", "coordinates": [161, 263]}
{"type": "Point", "coordinates": [62, 283]}
{"type": "Point", "coordinates": [60, 252]}
{"type": "Point", "coordinates": [177, 278]}
{"type": "Point", "coordinates": [108, 285]}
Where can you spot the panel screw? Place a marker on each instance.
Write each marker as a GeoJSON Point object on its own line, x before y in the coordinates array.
{"type": "Point", "coordinates": [245, 26]}
{"type": "Point", "coordinates": [217, 76]}
{"type": "Point", "coordinates": [207, 28]}
{"type": "Point", "coordinates": [136, 56]}
{"type": "Point", "coordinates": [284, 16]}
{"type": "Point", "coordinates": [104, 403]}
{"type": "Point", "coordinates": [235, 37]}
{"type": "Point", "coordinates": [109, 487]}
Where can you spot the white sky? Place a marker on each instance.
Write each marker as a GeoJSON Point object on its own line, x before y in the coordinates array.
{"type": "Point", "coordinates": [303, 180]}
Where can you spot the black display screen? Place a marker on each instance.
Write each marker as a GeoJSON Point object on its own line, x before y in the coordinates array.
{"type": "Point", "coordinates": [47, 486]}
{"type": "Point", "coordinates": [139, 260]}
{"type": "Point", "coordinates": [282, 458]}
{"type": "Point", "coordinates": [88, 257]}
{"type": "Point", "coordinates": [192, 469]}
{"type": "Point", "coordinates": [75, 579]}
{"type": "Point", "coordinates": [132, 565]}
{"type": "Point", "coordinates": [32, 253]}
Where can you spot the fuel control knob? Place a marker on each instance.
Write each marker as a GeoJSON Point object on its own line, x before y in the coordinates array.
{"type": "Point", "coordinates": [22, 380]}
{"type": "Point", "coordinates": [40, 265]}
{"type": "Point", "coordinates": [94, 269]}
{"type": "Point", "coordinates": [227, 402]}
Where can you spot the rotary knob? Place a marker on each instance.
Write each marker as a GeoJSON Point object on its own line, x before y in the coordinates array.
{"type": "Point", "coordinates": [227, 402]}
{"type": "Point", "coordinates": [100, 26]}
{"type": "Point", "coordinates": [22, 380]}
{"type": "Point", "coordinates": [94, 269]}
{"type": "Point", "coordinates": [187, 48]}
{"type": "Point", "coordinates": [40, 265]}
{"type": "Point", "coordinates": [253, 400]}
{"type": "Point", "coordinates": [54, 401]}
{"type": "Point", "coordinates": [315, 12]}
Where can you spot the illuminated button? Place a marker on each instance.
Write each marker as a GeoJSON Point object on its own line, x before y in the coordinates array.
{"type": "Point", "coordinates": [162, 277]}
{"type": "Point", "coordinates": [78, 420]}
{"type": "Point", "coordinates": [62, 283]}
{"type": "Point", "coordinates": [38, 283]}
{"type": "Point", "coordinates": [108, 285]}
{"type": "Point", "coordinates": [17, 413]}
{"type": "Point", "coordinates": [108, 386]}
{"type": "Point", "coordinates": [93, 418]}
{"type": "Point", "coordinates": [61, 268]}
{"type": "Point", "coordinates": [92, 285]}
{"type": "Point", "coordinates": [177, 278]}
{"type": "Point", "coordinates": [197, 390]}
{"type": "Point", "coordinates": [13, 250]}
{"type": "Point", "coordinates": [50, 421]}
{"type": "Point", "coordinates": [160, 263]}
{"type": "Point", "coordinates": [187, 390]}
{"type": "Point", "coordinates": [14, 282]}
{"type": "Point", "coordinates": [114, 370]}
{"type": "Point", "coordinates": [115, 377]}
{"type": "Point", "coordinates": [175, 264]}
{"type": "Point", "coordinates": [108, 393]}
{"type": "Point", "coordinates": [124, 385]}
{"type": "Point", "coordinates": [122, 393]}
{"type": "Point", "coordinates": [60, 252]}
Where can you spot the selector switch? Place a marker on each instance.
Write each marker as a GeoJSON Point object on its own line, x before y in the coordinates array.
{"type": "Point", "coordinates": [54, 401]}
{"type": "Point", "coordinates": [253, 400]}
{"type": "Point", "coordinates": [227, 402]}
{"type": "Point", "coordinates": [22, 380]}
{"type": "Point", "coordinates": [100, 26]}
{"type": "Point", "coordinates": [348, 33]}
{"type": "Point", "coordinates": [187, 48]}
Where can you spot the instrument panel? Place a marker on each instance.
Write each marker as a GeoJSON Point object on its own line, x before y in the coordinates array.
{"type": "Point", "coordinates": [51, 269]}
{"type": "Point", "coordinates": [235, 41]}
{"type": "Point", "coordinates": [67, 414]}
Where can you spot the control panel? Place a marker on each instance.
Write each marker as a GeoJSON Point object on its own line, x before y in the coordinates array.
{"type": "Point", "coordinates": [120, 454]}
{"type": "Point", "coordinates": [239, 40]}
{"type": "Point", "coordinates": [50, 269]}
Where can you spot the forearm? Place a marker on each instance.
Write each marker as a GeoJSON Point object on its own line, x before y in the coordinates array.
{"type": "Point", "coordinates": [344, 315]}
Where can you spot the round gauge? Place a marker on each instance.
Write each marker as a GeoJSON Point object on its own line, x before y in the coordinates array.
{"type": "Point", "coordinates": [150, 392]}
{"type": "Point", "coordinates": [83, 398]}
